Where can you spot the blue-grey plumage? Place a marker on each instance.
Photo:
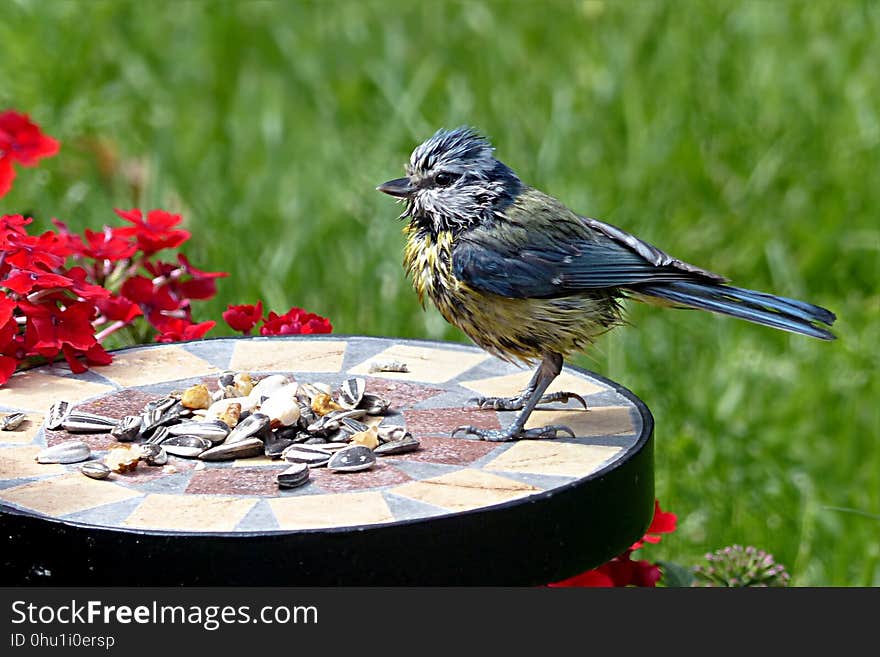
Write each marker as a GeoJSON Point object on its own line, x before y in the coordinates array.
{"type": "Point", "coordinates": [526, 278]}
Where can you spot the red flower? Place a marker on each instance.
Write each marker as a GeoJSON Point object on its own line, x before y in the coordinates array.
{"type": "Point", "coordinates": [7, 308]}
{"type": "Point", "coordinates": [24, 251]}
{"type": "Point", "coordinates": [94, 355]}
{"type": "Point", "coordinates": [155, 301]}
{"type": "Point", "coordinates": [22, 282]}
{"type": "Point", "coordinates": [7, 175]}
{"type": "Point", "coordinates": [49, 327]}
{"type": "Point", "coordinates": [178, 330]}
{"type": "Point", "coordinates": [21, 141]}
{"type": "Point", "coordinates": [295, 321]}
{"type": "Point", "coordinates": [620, 571]}
{"type": "Point", "coordinates": [663, 523]}
{"type": "Point", "coordinates": [156, 233]}
{"type": "Point", "coordinates": [118, 308]}
{"type": "Point", "coordinates": [243, 318]}
{"type": "Point", "coordinates": [107, 244]}
{"type": "Point", "coordinates": [8, 343]}
{"type": "Point", "coordinates": [81, 287]}
{"type": "Point", "coordinates": [13, 223]}
{"type": "Point", "coordinates": [200, 285]}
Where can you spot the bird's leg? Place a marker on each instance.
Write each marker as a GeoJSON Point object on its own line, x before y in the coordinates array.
{"type": "Point", "coordinates": [518, 403]}
{"type": "Point", "coordinates": [548, 370]}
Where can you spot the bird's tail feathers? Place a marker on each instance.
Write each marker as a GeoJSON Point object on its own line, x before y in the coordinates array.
{"type": "Point", "coordinates": [758, 307]}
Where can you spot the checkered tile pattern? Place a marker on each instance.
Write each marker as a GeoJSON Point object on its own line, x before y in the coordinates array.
{"type": "Point", "coordinates": [445, 476]}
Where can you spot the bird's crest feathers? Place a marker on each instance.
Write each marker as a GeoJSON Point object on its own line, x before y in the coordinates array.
{"type": "Point", "coordinates": [458, 150]}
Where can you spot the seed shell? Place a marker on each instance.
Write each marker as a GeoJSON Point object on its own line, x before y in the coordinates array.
{"type": "Point", "coordinates": [12, 421]}
{"type": "Point", "coordinates": [294, 476]}
{"type": "Point", "coordinates": [352, 459]}
{"type": "Point", "coordinates": [95, 470]}
{"type": "Point", "coordinates": [70, 451]}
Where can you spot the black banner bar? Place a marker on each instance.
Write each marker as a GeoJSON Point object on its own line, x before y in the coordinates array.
{"type": "Point", "coordinates": [152, 621]}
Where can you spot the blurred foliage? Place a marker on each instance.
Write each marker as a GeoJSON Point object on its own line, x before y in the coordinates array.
{"type": "Point", "coordinates": [741, 136]}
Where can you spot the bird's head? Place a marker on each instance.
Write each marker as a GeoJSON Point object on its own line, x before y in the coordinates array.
{"type": "Point", "coordinates": [453, 182]}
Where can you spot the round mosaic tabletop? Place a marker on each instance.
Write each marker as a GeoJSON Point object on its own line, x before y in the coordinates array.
{"type": "Point", "coordinates": [455, 511]}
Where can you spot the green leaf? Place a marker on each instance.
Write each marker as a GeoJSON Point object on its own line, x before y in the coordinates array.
{"type": "Point", "coordinates": [676, 575]}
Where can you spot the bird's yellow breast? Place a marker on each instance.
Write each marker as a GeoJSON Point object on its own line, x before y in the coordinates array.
{"type": "Point", "coordinates": [516, 329]}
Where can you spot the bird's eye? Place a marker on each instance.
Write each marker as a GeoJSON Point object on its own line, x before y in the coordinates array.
{"type": "Point", "coordinates": [444, 179]}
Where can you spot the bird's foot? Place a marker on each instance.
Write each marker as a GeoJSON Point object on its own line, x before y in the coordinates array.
{"type": "Point", "coordinates": [511, 433]}
{"type": "Point", "coordinates": [563, 397]}
{"type": "Point", "coordinates": [518, 403]}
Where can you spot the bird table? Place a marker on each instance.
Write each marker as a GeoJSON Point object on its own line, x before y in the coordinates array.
{"type": "Point", "coordinates": [457, 511]}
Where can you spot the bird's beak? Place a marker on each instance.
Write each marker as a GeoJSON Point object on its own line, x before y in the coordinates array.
{"type": "Point", "coordinates": [400, 187]}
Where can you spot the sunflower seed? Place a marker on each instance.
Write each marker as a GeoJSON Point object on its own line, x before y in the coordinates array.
{"type": "Point", "coordinates": [306, 415]}
{"type": "Point", "coordinates": [70, 451]}
{"type": "Point", "coordinates": [241, 449]}
{"type": "Point", "coordinates": [333, 421]}
{"type": "Point", "coordinates": [213, 430]}
{"type": "Point", "coordinates": [80, 422]}
{"type": "Point", "coordinates": [390, 433]}
{"type": "Point", "coordinates": [374, 405]}
{"type": "Point", "coordinates": [402, 446]}
{"type": "Point", "coordinates": [12, 421]}
{"type": "Point", "coordinates": [57, 412]}
{"type": "Point", "coordinates": [352, 459]}
{"type": "Point", "coordinates": [276, 445]}
{"type": "Point", "coordinates": [296, 475]}
{"type": "Point", "coordinates": [351, 392]}
{"type": "Point", "coordinates": [160, 416]}
{"type": "Point", "coordinates": [188, 447]}
{"type": "Point", "coordinates": [153, 454]}
{"type": "Point", "coordinates": [127, 429]}
{"type": "Point", "coordinates": [317, 448]}
{"type": "Point", "coordinates": [339, 437]}
{"type": "Point", "coordinates": [388, 366]}
{"type": "Point", "coordinates": [295, 454]}
{"type": "Point", "coordinates": [226, 379]}
{"type": "Point", "coordinates": [161, 404]}
{"type": "Point", "coordinates": [351, 425]}
{"type": "Point", "coordinates": [95, 470]}
{"type": "Point", "coordinates": [160, 435]}
{"type": "Point", "coordinates": [256, 425]}
{"type": "Point", "coordinates": [307, 392]}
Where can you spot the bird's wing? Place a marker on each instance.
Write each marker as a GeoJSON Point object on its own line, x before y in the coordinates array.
{"type": "Point", "coordinates": [549, 258]}
{"type": "Point", "coordinates": [649, 252]}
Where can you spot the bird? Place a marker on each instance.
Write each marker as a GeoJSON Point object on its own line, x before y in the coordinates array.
{"type": "Point", "coordinates": [531, 281]}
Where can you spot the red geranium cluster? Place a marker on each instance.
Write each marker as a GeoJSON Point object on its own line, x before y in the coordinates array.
{"type": "Point", "coordinates": [622, 570]}
{"type": "Point", "coordinates": [21, 141]}
{"type": "Point", "coordinates": [64, 294]}
{"type": "Point", "coordinates": [295, 321]}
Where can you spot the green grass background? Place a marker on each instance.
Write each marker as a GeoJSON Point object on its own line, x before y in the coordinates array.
{"type": "Point", "coordinates": [742, 136]}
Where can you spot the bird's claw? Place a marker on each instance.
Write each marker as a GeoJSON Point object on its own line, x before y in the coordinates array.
{"type": "Point", "coordinates": [563, 397]}
{"type": "Point", "coordinates": [505, 435]}
{"type": "Point", "coordinates": [497, 403]}
{"type": "Point", "coordinates": [518, 403]}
